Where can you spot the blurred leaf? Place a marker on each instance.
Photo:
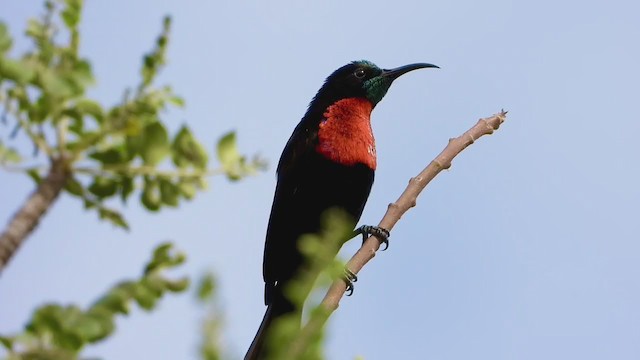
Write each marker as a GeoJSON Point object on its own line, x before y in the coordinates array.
{"type": "Point", "coordinates": [144, 297]}
{"type": "Point", "coordinates": [187, 151]}
{"type": "Point", "coordinates": [187, 189]}
{"type": "Point", "coordinates": [176, 100]}
{"type": "Point", "coordinates": [155, 144]}
{"type": "Point", "coordinates": [115, 301]}
{"type": "Point", "coordinates": [90, 107]}
{"type": "Point", "coordinates": [155, 59]}
{"type": "Point", "coordinates": [76, 125]}
{"type": "Point", "coordinates": [103, 187]}
{"type": "Point", "coordinates": [111, 156]}
{"type": "Point", "coordinates": [164, 256]}
{"type": "Point", "coordinates": [35, 29]}
{"type": "Point", "coordinates": [168, 192]}
{"type": "Point", "coordinates": [74, 187]}
{"type": "Point", "coordinates": [5, 38]}
{"type": "Point", "coordinates": [150, 196]}
{"type": "Point", "coordinates": [34, 174]}
{"type": "Point", "coordinates": [54, 84]}
{"type": "Point", "coordinates": [6, 342]}
{"type": "Point", "coordinates": [81, 76]}
{"type": "Point", "coordinates": [9, 155]}
{"type": "Point", "coordinates": [228, 149]}
{"type": "Point", "coordinates": [113, 217]}
{"type": "Point", "coordinates": [177, 285]}
{"type": "Point", "coordinates": [17, 71]}
{"type": "Point", "coordinates": [127, 186]}
{"type": "Point", "coordinates": [71, 14]}
{"type": "Point", "coordinates": [206, 287]}
{"type": "Point", "coordinates": [229, 156]}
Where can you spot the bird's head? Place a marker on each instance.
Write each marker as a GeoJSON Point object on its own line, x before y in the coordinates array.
{"type": "Point", "coordinates": [363, 79]}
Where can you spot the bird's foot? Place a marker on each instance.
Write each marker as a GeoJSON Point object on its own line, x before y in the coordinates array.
{"type": "Point", "coordinates": [380, 233]}
{"type": "Point", "coordinates": [349, 278]}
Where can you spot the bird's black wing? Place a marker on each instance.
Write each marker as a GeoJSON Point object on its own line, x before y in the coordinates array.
{"type": "Point", "coordinates": [280, 253]}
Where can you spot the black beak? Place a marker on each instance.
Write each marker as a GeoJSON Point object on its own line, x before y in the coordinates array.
{"type": "Point", "coordinates": [397, 72]}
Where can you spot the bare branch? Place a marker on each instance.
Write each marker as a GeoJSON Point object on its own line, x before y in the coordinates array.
{"type": "Point", "coordinates": [27, 218]}
{"type": "Point", "coordinates": [394, 212]}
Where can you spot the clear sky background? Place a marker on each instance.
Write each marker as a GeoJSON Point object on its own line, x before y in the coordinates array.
{"type": "Point", "coordinates": [528, 248]}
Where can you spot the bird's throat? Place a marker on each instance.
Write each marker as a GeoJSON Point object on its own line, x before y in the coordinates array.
{"type": "Point", "coordinates": [345, 135]}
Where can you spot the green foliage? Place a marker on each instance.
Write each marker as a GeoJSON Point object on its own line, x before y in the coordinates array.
{"type": "Point", "coordinates": [206, 288]}
{"type": "Point", "coordinates": [8, 155]}
{"type": "Point", "coordinates": [62, 331]}
{"type": "Point", "coordinates": [112, 152]}
{"type": "Point", "coordinates": [210, 346]}
{"type": "Point", "coordinates": [235, 165]}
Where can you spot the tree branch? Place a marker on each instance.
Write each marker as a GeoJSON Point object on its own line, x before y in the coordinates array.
{"type": "Point", "coordinates": [394, 212]}
{"type": "Point", "coordinates": [27, 218]}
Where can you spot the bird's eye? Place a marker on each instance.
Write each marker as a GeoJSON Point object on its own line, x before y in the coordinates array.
{"type": "Point", "coordinates": [360, 73]}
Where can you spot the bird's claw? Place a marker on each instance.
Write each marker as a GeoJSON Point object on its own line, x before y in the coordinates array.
{"type": "Point", "coordinates": [349, 278]}
{"type": "Point", "coordinates": [381, 234]}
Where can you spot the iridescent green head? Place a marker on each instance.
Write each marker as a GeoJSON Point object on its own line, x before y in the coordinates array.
{"type": "Point", "coordinates": [362, 79]}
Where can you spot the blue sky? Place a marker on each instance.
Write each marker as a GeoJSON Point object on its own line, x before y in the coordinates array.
{"type": "Point", "coordinates": [526, 249]}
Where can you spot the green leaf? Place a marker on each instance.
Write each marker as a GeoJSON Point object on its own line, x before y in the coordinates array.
{"type": "Point", "coordinates": [168, 192]}
{"type": "Point", "coordinates": [71, 14]}
{"type": "Point", "coordinates": [18, 71]}
{"type": "Point", "coordinates": [35, 29]}
{"type": "Point", "coordinates": [228, 149]}
{"type": "Point", "coordinates": [150, 197]}
{"type": "Point", "coordinates": [206, 287]}
{"type": "Point", "coordinates": [177, 285]}
{"type": "Point", "coordinates": [104, 322]}
{"type": "Point", "coordinates": [103, 187]}
{"type": "Point", "coordinates": [91, 108]}
{"type": "Point", "coordinates": [187, 189]}
{"type": "Point", "coordinates": [7, 342]}
{"type": "Point", "coordinates": [127, 185]}
{"type": "Point", "coordinates": [34, 174]}
{"type": "Point", "coordinates": [5, 38]}
{"type": "Point", "coordinates": [154, 284]}
{"type": "Point", "coordinates": [229, 156]}
{"type": "Point", "coordinates": [76, 125]}
{"type": "Point", "coordinates": [144, 297]}
{"type": "Point", "coordinates": [164, 256]}
{"type": "Point", "coordinates": [116, 301]}
{"type": "Point", "coordinates": [9, 155]}
{"type": "Point", "coordinates": [54, 84]}
{"type": "Point", "coordinates": [177, 100]}
{"type": "Point", "coordinates": [74, 187]}
{"type": "Point", "coordinates": [81, 75]}
{"type": "Point", "coordinates": [111, 156]}
{"type": "Point", "coordinates": [155, 144]}
{"type": "Point", "coordinates": [87, 328]}
{"type": "Point", "coordinates": [187, 151]}
{"type": "Point", "coordinates": [113, 217]}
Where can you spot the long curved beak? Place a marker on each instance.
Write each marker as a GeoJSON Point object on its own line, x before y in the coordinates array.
{"type": "Point", "coordinates": [399, 71]}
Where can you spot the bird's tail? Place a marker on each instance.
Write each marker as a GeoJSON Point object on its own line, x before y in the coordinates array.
{"type": "Point", "coordinates": [279, 307]}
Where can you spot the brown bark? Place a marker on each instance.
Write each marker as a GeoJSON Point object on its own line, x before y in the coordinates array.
{"type": "Point", "coordinates": [394, 212]}
{"type": "Point", "coordinates": [28, 216]}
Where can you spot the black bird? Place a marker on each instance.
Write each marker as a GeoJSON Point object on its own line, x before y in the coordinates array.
{"type": "Point", "coordinates": [329, 161]}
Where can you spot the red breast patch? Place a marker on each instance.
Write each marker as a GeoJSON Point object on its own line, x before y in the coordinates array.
{"type": "Point", "coordinates": [345, 135]}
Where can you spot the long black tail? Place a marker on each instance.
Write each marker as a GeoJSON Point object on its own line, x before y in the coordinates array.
{"type": "Point", "coordinates": [256, 349]}
{"type": "Point", "coordinates": [278, 307]}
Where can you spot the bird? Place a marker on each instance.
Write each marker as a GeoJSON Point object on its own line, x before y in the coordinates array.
{"type": "Point", "coordinates": [328, 162]}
